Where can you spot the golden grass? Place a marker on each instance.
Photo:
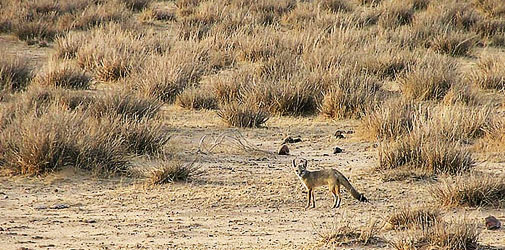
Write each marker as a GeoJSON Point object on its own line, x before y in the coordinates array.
{"type": "Point", "coordinates": [421, 217]}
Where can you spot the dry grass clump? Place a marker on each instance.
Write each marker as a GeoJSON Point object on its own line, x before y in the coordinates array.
{"type": "Point", "coordinates": [490, 7]}
{"type": "Point", "coordinates": [453, 43]}
{"type": "Point", "coordinates": [126, 105]}
{"type": "Point", "coordinates": [430, 153]}
{"type": "Point", "coordinates": [494, 138]}
{"type": "Point", "coordinates": [41, 133]}
{"type": "Point", "coordinates": [414, 217]}
{"type": "Point", "coordinates": [351, 97]}
{"type": "Point", "coordinates": [392, 119]}
{"type": "Point", "coordinates": [462, 93]}
{"type": "Point", "coordinates": [15, 74]}
{"type": "Point", "coordinates": [474, 190]}
{"type": "Point", "coordinates": [197, 98]}
{"type": "Point", "coordinates": [62, 75]}
{"type": "Point", "coordinates": [429, 79]}
{"type": "Point", "coordinates": [100, 14]}
{"type": "Point", "coordinates": [172, 171]}
{"type": "Point", "coordinates": [335, 5]}
{"type": "Point", "coordinates": [396, 13]}
{"type": "Point", "coordinates": [68, 45]}
{"type": "Point", "coordinates": [164, 77]}
{"type": "Point", "coordinates": [489, 73]}
{"type": "Point", "coordinates": [137, 5]}
{"type": "Point", "coordinates": [343, 233]}
{"type": "Point", "coordinates": [242, 115]}
{"type": "Point", "coordinates": [453, 235]}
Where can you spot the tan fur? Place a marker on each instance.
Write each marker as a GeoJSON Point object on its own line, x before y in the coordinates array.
{"type": "Point", "coordinates": [327, 177]}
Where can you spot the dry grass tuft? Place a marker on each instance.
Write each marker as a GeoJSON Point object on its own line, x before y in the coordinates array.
{"type": "Point", "coordinates": [172, 171]}
{"type": "Point", "coordinates": [343, 233]}
{"type": "Point", "coordinates": [242, 115]}
{"type": "Point", "coordinates": [429, 79]}
{"type": "Point", "coordinates": [426, 152]}
{"type": "Point", "coordinates": [454, 235]}
{"type": "Point", "coordinates": [474, 190]}
{"type": "Point", "coordinates": [62, 75]}
{"type": "Point", "coordinates": [396, 13]}
{"type": "Point", "coordinates": [68, 45]}
{"type": "Point", "coordinates": [197, 98]}
{"type": "Point", "coordinates": [489, 73]}
{"type": "Point", "coordinates": [453, 43]}
{"type": "Point", "coordinates": [414, 217]}
{"type": "Point", "coordinates": [15, 74]}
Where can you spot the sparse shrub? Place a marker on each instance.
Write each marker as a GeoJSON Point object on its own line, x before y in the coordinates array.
{"type": "Point", "coordinates": [474, 190]}
{"type": "Point", "coordinates": [100, 14]}
{"type": "Point", "coordinates": [430, 153]}
{"type": "Point", "coordinates": [461, 94]}
{"type": "Point", "coordinates": [453, 43]}
{"type": "Point", "coordinates": [490, 27]}
{"type": "Point", "coordinates": [15, 74]}
{"type": "Point", "coordinates": [489, 73]}
{"type": "Point", "coordinates": [352, 96]}
{"type": "Point", "coordinates": [137, 5]}
{"type": "Point", "coordinates": [335, 5]}
{"type": "Point", "coordinates": [493, 140]}
{"type": "Point", "coordinates": [414, 217]}
{"type": "Point", "coordinates": [126, 105]}
{"type": "Point", "coordinates": [429, 79]}
{"type": "Point", "coordinates": [242, 115]}
{"type": "Point", "coordinates": [172, 171]}
{"type": "Point", "coordinates": [34, 30]}
{"type": "Point", "coordinates": [62, 75]}
{"type": "Point", "coordinates": [197, 98]}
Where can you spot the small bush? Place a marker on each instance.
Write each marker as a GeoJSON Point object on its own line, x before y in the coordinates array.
{"type": "Point", "coordinates": [68, 45]}
{"type": "Point", "coordinates": [15, 74]}
{"type": "Point", "coordinates": [197, 98]}
{"type": "Point", "coordinates": [489, 73]}
{"type": "Point", "coordinates": [171, 171]}
{"type": "Point", "coordinates": [137, 5]}
{"type": "Point", "coordinates": [414, 217]}
{"type": "Point", "coordinates": [35, 30]}
{"type": "Point", "coordinates": [242, 115]}
{"type": "Point", "coordinates": [351, 97]}
{"type": "Point", "coordinates": [343, 233]}
{"type": "Point", "coordinates": [474, 190]}
{"type": "Point", "coordinates": [335, 5]}
{"type": "Point", "coordinates": [430, 153]}
{"type": "Point", "coordinates": [126, 105]}
{"type": "Point", "coordinates": [493, 140]}
{"type": "Point", "coordinates": [62, 75]}
{"type": "Point", "coordinates": [429, 79]}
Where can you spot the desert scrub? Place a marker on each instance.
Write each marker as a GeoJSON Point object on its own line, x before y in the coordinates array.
{"type": "Point", "coordinates": [453, 43]}
{"type": "Point", "coordinates": [68, 45]}
{"type": "Point", "coordinates": [242, 115]}
{"type": "Point", "coordinates": [169, 171]}
{"type": "Point", "coordinates": [473, 190]}
{"type": "Point", "coordinates": [489, 73]}
{"type": "Point", "coordinates": [396, 13]}
{"type": "Point", "coordinates": [343, 232]}
{"type": "Point", "coordinates": [429, 79]}
{"type": "Point", "coordinates": [63, 75]}
{"type": "Point", "coordinates": [125, 104]}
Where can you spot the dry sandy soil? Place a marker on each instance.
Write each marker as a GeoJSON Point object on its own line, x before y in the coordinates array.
{"type": "Point", "coordinates": [243, 198]}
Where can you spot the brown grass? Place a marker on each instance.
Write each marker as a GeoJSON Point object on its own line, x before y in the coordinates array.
{"type": "Point", "coordinates": [172, 171]}
{"type": "Point", "coordinates": [453, 43]}
{"type": "Point", "coordinates": [197, 98]}
{"type": "Point", "coordinates": [15, 74]}
{"type": "Point", "coordinates": [62, 75]}
{"type": "Point", "coordinates": [489, 73]}
{"type": "Point", "coordinates": [242, 115]}
{"type": "Point", "coordinates": [474, 190]}
{"type": "Point", "coordinates": [421, 217]}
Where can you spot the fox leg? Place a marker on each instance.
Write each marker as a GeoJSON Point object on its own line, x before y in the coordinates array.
{"type": "Point", "coordinates": [336, 195]}
{"type": "Point", "coordinates": [313, 199]}
{"type": "Point", "coordinates": [309, 196]}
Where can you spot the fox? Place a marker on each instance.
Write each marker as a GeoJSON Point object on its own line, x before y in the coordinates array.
{"type": "Point", "coordinates": [331, 177]}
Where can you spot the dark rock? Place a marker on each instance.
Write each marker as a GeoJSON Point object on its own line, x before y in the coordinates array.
{"type": "Point", "coordinates": [284, 150]}
{"type": "Point", "coordinates": [337, 150]}
{"type": "Point", "coordinates": [60, 206]}
{"type": "Point", "coordinates": [290, 139]}
{"type": "Point", "coordinates": [492, 223]}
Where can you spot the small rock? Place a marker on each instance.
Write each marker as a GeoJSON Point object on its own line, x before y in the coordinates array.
{"type": "Point", "coordinates": [326, 155]}
{"type": "Point", "coordinates": [60, 206]}
{"type": "Point", "coordinates": [41, 207]}
{"type": "Point", "coordinates": [492, 223]}
{"type": "Point", "coordinates": [290, 139]}
{"type": "Point", "coordinates": [56, 190]}
{"type": "Point", "coordinates": [284, 150]}
{"type": "Point", "coordinates": [337, 150]}
{"type": "Point", "coordinates": [339, 134]}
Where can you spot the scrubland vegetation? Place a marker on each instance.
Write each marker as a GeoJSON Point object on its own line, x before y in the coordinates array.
{"type": "Point", "coordinates": [419, 75]}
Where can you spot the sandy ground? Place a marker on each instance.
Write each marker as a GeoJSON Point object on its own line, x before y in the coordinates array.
{"type": "Point", "coordinates": [243, 199]}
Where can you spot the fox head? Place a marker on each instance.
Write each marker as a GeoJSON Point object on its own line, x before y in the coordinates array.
{"type": "Point", "coordinates": [301, 168]}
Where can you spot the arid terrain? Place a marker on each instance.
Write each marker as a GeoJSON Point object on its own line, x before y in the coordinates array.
{"type": "Point", "coordinates": [157, 124]}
